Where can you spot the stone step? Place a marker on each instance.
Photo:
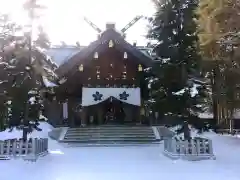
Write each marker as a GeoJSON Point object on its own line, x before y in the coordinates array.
{"type": "Point", "coordinates": [111, 128]}
{"type": "Point", "coordinates": [107, 137]}
{"type": "Point", "coordinates": [114, 125]}
{"type": "Point", "coordinates": [113, 132]}
{"type": "Point", "coordinates": [108, 141]}
{"type": "Point", "coordinates": [119, 144]}
{"type": "Point", "coordinates": [110, 133]}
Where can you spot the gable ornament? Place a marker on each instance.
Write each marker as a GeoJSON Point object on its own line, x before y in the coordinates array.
{"type": "Point", "coordinates": [125, 56]}
{"type": "Point", "coordinates": [110, 44]}
{"type": "Point", "coordinates": [80, 68]}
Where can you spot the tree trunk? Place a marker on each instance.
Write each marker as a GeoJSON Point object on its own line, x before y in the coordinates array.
{"type": "Point", "coordinates": [231, 120]}
{"type": "Point", "coordinates": [215, 92]}
{"type": "Point", "coordinates": [24, 136]}
{"type": "Point", "coordinates": [186, 131]}
{"type": "Point", "coordinates": [25, 119]}
{"type": "Point", "coordinates": [214, 100]}
{"type": "Point", "coordinates": [25, 122]}
{"type": "Point", "coordinates": [231, 125]}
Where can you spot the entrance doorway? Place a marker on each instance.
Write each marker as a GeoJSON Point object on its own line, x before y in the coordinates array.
{"type": "Point", "coordinates": [113, 112]}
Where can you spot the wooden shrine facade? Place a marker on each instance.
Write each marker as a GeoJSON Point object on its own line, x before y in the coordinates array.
{"type": "Point", "coordinates": [102, 83]}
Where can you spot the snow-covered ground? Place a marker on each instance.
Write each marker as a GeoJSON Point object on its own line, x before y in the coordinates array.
{"type": "Point", "coordinates": [128, 163]}
{"type": "Point", "coordinates": [18, 134]}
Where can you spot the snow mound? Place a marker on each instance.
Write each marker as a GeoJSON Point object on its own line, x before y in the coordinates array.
{"type": "Point", "coordinates": [175, 128]}
{"type": "Point", "coordinates": [194, 134]}
{"type": "Point", "coordinates": [35, 134]}
{"type": "Point", "coordinates": [45, 126]}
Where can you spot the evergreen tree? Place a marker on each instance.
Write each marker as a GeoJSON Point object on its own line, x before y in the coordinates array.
{"type": "Point", "coordinates": [172, 88]}
{"type": "Point", "coordinates": [23, 84]}
{"type": "Point", "coordinates": [8, 30]}
{"type": "Point", "coordinates": [31, 6]}
{"type": "Point", "coordinates": [3, 95]}
{"type": "Point", "coordinates": [23, 70]}
{"type": "Point", "coordinates": [219, 42]}
{"type": "Point", "coordinates": [42, 40]}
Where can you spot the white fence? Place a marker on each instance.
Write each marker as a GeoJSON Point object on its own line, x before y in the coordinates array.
{"type": "Point", "coordinates": [194, 149]}
{"type": "Point", "coordinates": [29, 150]}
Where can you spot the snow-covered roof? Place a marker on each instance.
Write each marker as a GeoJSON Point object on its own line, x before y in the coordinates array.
{"type": "Point", "coordinates": [62, 54]}
{"type": "Point", "coordinates": [205, 115]}
{"type": "Point", "coordinates": [145, 51]}
{"type": "Point", "coordinates": [193, 90]}
{"type": "Point", "coordinates": [48, 83]}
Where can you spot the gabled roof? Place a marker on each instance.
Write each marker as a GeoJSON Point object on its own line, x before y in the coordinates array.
{"type": "Point", "coordinates": [62, 54]}
{"type": "Point", "coordinates": [106, 36]}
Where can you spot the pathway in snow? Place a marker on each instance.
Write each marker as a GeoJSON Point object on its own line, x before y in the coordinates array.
{"type": "Point", "coordinates": [133, 163]}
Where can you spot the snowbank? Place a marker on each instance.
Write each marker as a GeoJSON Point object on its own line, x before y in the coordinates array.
{"type": "Point", "coordinates": [193, 131]}
{"type": "Point", "coordinates": [229, 135]}
{"type": "Point", "coordinates": [205, 115]}
{"type": "Point", "coordinates": [208, 115]}
{"type": "Point", "coordinates": [18, 133]}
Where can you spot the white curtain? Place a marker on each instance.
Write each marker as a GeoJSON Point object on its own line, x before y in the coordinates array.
{"type": "Point", "coordinates": [92, 96]}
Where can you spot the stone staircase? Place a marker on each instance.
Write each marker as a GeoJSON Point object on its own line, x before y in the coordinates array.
{"type": "Point", "coordinates": [110, 135]}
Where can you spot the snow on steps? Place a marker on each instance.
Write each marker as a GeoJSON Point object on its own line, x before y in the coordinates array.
{"type": "Point", "coordinates": [113, 144]}
{"type": "Point", "coordinates": [110, 136]}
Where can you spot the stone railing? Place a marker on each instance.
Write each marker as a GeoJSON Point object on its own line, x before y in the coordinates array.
{"type": "Point", "coordinates": [29, 150]}
{"type": "Point", "coordinates": [165, 132]}
{"type": "Point", "coordinates": [55, 133]}
{"type": "Point", "coordinates": [194, 149]}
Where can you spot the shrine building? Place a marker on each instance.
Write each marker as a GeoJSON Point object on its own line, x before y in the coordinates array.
{"type": "Point", "coordinates": [102, 83]}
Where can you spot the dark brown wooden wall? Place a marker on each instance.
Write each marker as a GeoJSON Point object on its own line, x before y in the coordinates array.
{"type": "Point", "coordinates": [88, 78]}
{"type": "Point", "coordinates": [110, 63]}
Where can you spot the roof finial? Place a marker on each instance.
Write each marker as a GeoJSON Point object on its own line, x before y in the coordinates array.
{"type": "Point", "coordinates": [77, 44]}
{"type": "Point", "coordinates": [135, 43]}
{"type": "Point", "coordinates": [110, 25]}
